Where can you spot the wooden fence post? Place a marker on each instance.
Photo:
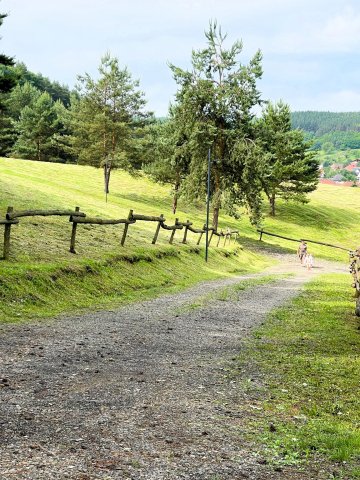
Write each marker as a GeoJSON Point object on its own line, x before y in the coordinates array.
{"type": "Point", "coordinates": [73, 234]}
{"type": "Point", "coordinates": [261, 234]}
{"type": "Point", "coordinates": [126, 228]}
{"type": "Point", "coordinates": [201, 234]}
{"type": "Point", "coordinates": [211, 235]}
{"type": "Point", "coordinates": [186, 230]}
{"type": "Point", "coordinates": [173, 232]}
{"type": "Point", "coordinates": [220, 235]}
{"type": "Point", "coordinates": [7, 232]}
{"type": "Point", "coordinates": [226, 236]}
{"type": "Point", "coordinates": [157, 230]}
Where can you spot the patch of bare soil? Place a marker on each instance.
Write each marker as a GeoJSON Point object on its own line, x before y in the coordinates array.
{"type": "Point", "coordinates": [137, 393]}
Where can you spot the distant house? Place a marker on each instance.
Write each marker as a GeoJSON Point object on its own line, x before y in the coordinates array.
{"type": "Point", "coordinates": [352, 166]}
{"type": "Point", "coordinates": [327, 181]}
{"type": "Point", "coordinates": [337, 178]}
{"type": "Point", "coordinates": [336, 166]}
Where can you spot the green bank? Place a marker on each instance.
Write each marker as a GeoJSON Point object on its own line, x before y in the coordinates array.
{"type": "Point", "coordinates": [307, 399]}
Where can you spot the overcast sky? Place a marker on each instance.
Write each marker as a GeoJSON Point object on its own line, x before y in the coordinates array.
{"type": "Point", "coordinates": [311, 48]}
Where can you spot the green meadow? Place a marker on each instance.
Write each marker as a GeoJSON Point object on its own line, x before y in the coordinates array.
{"type": "Point", "coordinates": [42, 278]}
{"type": "Point", "coordinates": [41, 275]}
{"type": "Point", "coordinates": [307, 401]}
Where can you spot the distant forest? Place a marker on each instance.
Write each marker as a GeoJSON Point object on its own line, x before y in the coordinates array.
{"type": "Point", "coordinates": [329, 130]}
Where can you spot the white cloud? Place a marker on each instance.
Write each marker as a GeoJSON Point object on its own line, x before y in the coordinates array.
{"type": "Point", "coordinates": [62, 39]}
{"type": "Point", "coordinates": [333, 32]}
{"type": "Point", "coordinates": [340, 101]}
{"type": "Point", "coordinates": [342, 32]}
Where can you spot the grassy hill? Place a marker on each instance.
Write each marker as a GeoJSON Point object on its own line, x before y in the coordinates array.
{"type": "Point", "coordinates": [42, 277]}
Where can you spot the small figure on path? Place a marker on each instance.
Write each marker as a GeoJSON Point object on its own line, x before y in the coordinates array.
{"type": "Point", "coordinates": [309, 261]}
{"type": "Point", "coordinates": [302, 250]}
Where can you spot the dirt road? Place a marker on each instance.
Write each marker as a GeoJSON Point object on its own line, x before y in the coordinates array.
{"type": "Point", "coordinates": [137, 393]}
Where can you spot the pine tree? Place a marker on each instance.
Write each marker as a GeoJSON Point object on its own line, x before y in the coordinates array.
{"type": "Point", "coordinates": [217, 97]}
{"type": "Point", "coordinates": [107, 120]}
{"type": "Point", "coordinates": [169, 155]}
{"type": "Point", "coordinates": [7, 75]}
{"type": "Point", "coordinates": [36, 127]}
{"type": "Point", "coordinates": [290, 169]}
{"type": "Point", "coordinates": [8, 79]}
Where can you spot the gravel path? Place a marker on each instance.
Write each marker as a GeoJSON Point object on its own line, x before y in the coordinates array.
{"type": "Point", "coordinates": [137, 393]}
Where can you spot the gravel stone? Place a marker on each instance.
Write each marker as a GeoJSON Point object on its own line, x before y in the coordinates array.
{"type": "Point", "coordinates": [137, 393]}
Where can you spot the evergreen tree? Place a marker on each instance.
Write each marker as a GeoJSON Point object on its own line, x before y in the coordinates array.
{"type": "Point", "coordinates": [107, 120]}
{"type": "Point", "coordinates": [7, 74]}
{"type": "Point", "coordinates": [170, 156]}
{"type": "Point", "coordinates": [217, 97]}
{"type": "Point", "coordinates": [54, 89]}
{"type": "Point", "coordinates": [8, 80]}
{"type": "Point", "coordinates": [36, 127]}
{"type": "Point", "coordinates": [290, 170]}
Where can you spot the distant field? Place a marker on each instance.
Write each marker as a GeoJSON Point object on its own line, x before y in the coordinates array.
{"type": "Point", "coordinates": [339, 156]}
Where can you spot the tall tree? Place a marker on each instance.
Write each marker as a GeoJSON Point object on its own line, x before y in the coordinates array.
{"type": "Point", "coordinates": [290, 170]}
{"type": "Point", "coordinates": [107, 119]}
{"type": "Point", "coordinates": [7, 75]}
{"type": "Point", "coordinates": [36, 127]}
{"type": "Point", "coordinates": [8, 79]}
{"type": "Point", "coordinates": [217, 97]}
{"type": "Point", "coordinates": [169, 155]}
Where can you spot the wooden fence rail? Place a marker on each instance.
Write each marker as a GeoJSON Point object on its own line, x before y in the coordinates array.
{"type": "Point", "coordinates": [42, 213]}
{"type": "Point", "coordinates": [77, 217]}
{"type": "Point", "coordinates": [262, 232]}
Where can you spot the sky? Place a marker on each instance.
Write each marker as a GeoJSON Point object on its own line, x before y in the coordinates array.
{"type": "Point", "coordinates": [311, 48]}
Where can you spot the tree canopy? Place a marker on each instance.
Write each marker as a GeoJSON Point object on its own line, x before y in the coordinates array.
{"type": "Point", "coordinates": [106, 119]}
{"type": "Point", "coordinates": [290, 170]}
{"type": "Point", "coordinates": [215, 101]}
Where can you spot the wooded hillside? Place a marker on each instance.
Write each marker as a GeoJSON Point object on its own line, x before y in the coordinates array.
{"type": "Point", "coordinates": [339, 130]}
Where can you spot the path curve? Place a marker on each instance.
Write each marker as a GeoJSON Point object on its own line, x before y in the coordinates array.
{"type": "Point", "coordinates": [137, 393]}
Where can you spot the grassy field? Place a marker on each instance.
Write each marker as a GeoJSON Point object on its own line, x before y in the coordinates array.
{"type": "Point", "coordinates": [308, 350]}
{"type": "Point", "coordinates": [43, 278]}
{"type": "Point", "coordinates": [40, 245]}
{"type": "Point", "coordinates": [307, 403]}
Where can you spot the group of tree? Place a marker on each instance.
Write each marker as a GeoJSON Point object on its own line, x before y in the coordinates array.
{"type": "Point", "coordinates": [213, 114]}
{"type": "Point", "coordinates": [329, 131]}
{"type": "Point", "coordinates": [104, 122]}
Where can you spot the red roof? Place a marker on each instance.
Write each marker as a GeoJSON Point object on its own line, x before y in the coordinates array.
{"type": "Point", "coordinates": [327, 181]}
{"type": "Point", "coordinates": [351, 166]}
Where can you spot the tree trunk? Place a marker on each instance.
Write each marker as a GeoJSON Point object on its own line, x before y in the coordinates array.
{"type": "Point", "coordinates": [272, 204]}
{"type": "Point", "coordinates": [38, 150]}
{"type": "Point", "coordinates": [107, 170]}
{"type": "Point", "coordinates": [216, 200]}
{"type": "Point", "coordinates": [216, 216]}
{"type": "Point", "coordinates": [176, 196]}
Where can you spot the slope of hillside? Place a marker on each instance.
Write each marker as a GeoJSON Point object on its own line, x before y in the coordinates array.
{"type": "Point", "coordinates": [103, 272]}
{"type": "Point", "coordinates": [331, 216]}
{"type": "Point", "coordinates": [42, 277]}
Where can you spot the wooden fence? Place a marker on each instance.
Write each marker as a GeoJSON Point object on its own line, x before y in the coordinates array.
{"type": "Point", "coordinates": [77, 217]}
{"type": "Point", "coordinates": [262, 232]}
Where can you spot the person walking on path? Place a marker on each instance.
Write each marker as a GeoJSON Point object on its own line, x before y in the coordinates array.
{"type": "Point", "coordinates": [302, 250]}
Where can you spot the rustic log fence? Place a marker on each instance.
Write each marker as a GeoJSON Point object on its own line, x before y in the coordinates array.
{"type": "Point", "coordinates": [262, 232]}
{"type": "Point", "coordinates": [77, 217]}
